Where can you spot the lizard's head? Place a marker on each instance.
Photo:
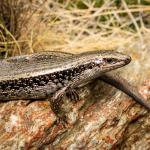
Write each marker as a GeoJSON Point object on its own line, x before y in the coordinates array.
{"type": "Point", "coordinates": [106, 60]}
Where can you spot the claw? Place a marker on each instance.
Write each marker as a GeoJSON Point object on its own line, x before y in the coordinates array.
{"type": "Point", "coordinates": [73, 95]}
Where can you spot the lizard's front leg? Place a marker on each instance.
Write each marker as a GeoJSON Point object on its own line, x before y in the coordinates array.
{"type": "Point", "coordinates": [56, 101]}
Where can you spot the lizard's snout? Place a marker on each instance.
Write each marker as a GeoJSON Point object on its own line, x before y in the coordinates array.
{"type": "Point", "coordinates": [127, 60]}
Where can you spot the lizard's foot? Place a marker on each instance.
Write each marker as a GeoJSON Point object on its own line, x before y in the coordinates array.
{"type": "Point", "coordinates": [73, 95]}
{"type": "Point", "coordinates": [56, 102]}
{"type": "Point", "coordinates": [56, 108]}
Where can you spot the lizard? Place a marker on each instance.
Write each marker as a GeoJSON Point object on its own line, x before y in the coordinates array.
{"type": "Point", "coordinates": [40, 75]}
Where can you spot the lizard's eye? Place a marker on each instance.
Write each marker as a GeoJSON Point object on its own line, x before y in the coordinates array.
{"type": "Point", "coordinates": [110, 60]}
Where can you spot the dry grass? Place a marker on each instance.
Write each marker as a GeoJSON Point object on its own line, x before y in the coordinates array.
{"type": "Point", "coordinates": [73, 26]}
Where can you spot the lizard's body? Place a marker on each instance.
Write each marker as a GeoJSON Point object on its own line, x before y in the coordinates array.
{"type": "Point", "coordinates": [38, 76]}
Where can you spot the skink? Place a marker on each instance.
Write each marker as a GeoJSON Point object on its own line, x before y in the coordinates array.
{"type": "Point", "coordinates": [40, 75]}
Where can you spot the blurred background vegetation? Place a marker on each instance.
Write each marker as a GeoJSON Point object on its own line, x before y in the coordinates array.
{"type": "Point", "coordinates": [28, 26]}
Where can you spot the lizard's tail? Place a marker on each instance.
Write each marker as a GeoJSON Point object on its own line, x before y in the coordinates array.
{"type": "Point", "coordinates": [123, 85]}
